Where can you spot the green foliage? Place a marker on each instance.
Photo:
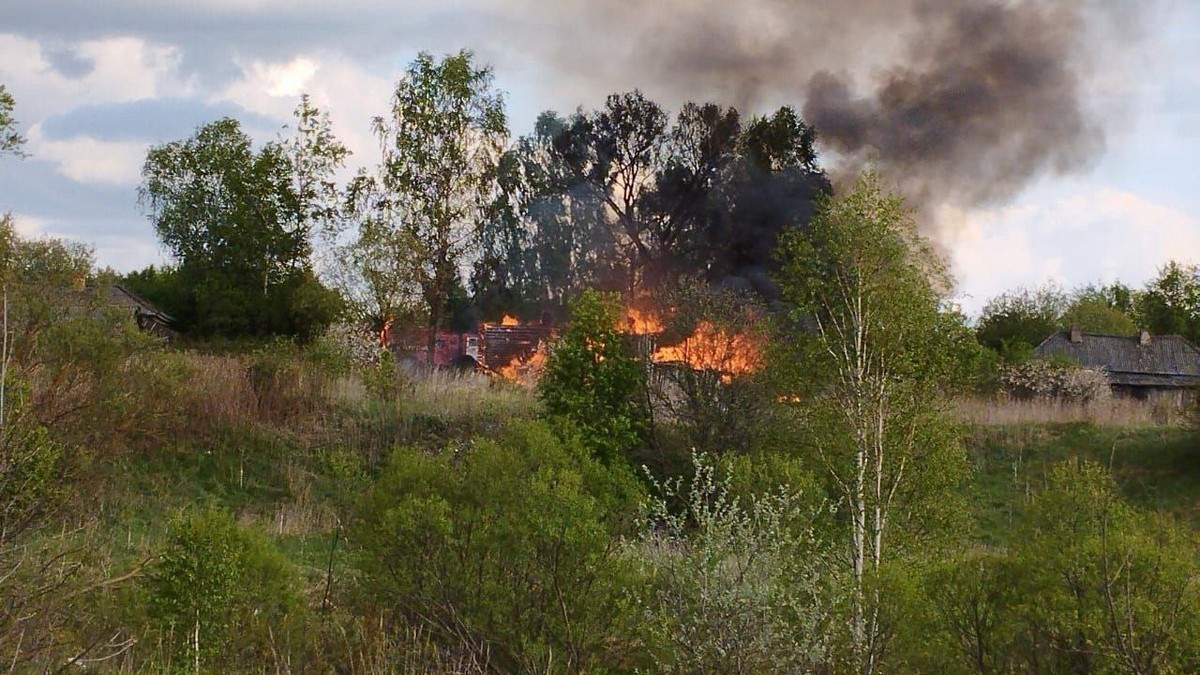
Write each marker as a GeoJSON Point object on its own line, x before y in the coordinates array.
{"type": "Point", "coordinates": [30, 468]}
{"type": "Point", "coordinates": [164, 286]}
{"type": "Point", "coordinates": [239, 221]}
{"type": "Point", "coordinates": [593, 381]}
{"type": "Point", "coordinates": [1016, 322]}
{"type": "Point", "coordinates": [217, 583]}
{"type": "Point", "coordinates": [502, 545]}
{"type": "Point", "coordinates": [1112, 585]}
{"type": "Point", "coordinates": [780, 142]}
{"type": "Point", "coordinates": [735, 586]}
{"type": "Point", "coordinates": [625, 197]}
{"type": "Point", "coordinates": [872, 372]}
{"type": "Point", "coordinates": [419, 211]}
{"type": "Point", "coordinates": [315, 155]}
{"type": "Point", "coordinates": [1090, 584]}
{"type": "Point", "coordinates": [10, 140]}
{"type": "Point", "coordinates": [1096, 315]}
{"type": "Point", "coordinates": [1170, 303]}
{"type": "Point", "coordinates": [539, 246]}
{"type": "Point", "coordinates": [1013, 323]}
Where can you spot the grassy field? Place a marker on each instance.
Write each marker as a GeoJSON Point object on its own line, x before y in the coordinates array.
{"type": "Point", "coordinates": [1156, 467]}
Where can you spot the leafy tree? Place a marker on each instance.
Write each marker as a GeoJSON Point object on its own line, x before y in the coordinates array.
{"type": "Point", "coordinates": [315, 155]}
{"type": "Point", "coordinates": [1013, 323]}
{"type": "Point", "coordinates": [10, 140]}
{"type": "Point", "coordinates": [1105, 588]}
{"type": "Point", "coordinates": [773, 187]}
{"type": "Point", "coordinates": [235, 221]}
{"type": "Point", "coordinates": [702, 195]}
{"type": "Point", "coordinates": [373, 270]}
{"type": "Point", "coordinates": [1096, 315]}
{"type": "Point", "coordinates": [77, 386]}
{"type": "Point", "coordinates": [780, 142]}
{"type": "Point", "coordinates": [1115, 295]}
{"type": "Point", "coordinates": [593, 380]}
{"type": "Point", "coordinates": [216, 580]}
{"type": "Point", "coordinates": [627, 139]}
{"type": "Point", "coordinates": [872, 373]}
{"type": "Point", "coordinates": [626, 198]}
{"type": "Point", "coordinates": [546, 238]}
{"type": "Point", "coordinates": [1170, 303]}
{"type": "Point", "coordinates": [441, 145]}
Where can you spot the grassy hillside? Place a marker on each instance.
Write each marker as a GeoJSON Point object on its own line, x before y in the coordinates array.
{"type": "Point", "coordinates": [1156, 467]}
{"type": "Point", "coordinates": [285, 443]}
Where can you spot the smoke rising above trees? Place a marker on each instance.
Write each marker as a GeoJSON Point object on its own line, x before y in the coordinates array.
{"type": "Point", "coordinates": [957, 102]}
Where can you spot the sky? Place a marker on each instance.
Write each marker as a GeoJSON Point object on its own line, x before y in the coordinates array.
{"type": "Point", "coordinates": [98, 83]}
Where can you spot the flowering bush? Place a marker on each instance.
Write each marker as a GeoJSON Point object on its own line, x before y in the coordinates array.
{"type": "Point", "coordinates": [1048, 380]}
{"type": "Point", "coordinates": [357, 345]}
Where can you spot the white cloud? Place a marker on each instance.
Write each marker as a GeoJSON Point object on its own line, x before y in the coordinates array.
{"type": "Point", "coordinates": [351, 94]}
{"type": "Point", "coordinates": [30, 226]}
{"type": "Point", "coordinates": [87, 160]}
{"type": "Point", "coordinates": [123, 69]}
{"type": "Point", "coordinates": [269, 87]}
{"type": "Point", "coordinates": [1087, 234]}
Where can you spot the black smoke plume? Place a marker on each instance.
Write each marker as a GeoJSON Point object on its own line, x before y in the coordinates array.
{"type": "Point", "coordinates": [957, 101]}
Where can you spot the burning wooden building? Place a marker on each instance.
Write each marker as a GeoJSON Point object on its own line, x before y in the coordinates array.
{"type": "Point", "coordinates": [505, 348]}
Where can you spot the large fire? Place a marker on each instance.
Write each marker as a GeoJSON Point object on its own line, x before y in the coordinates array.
{"type": "Point", "coordinates": [707, 348]}
{"type": "Point", "coordinates": [525, 371]}
{"type": "Point", "coordinates": [710, 348]}
{"type": "Point", "coordinates": [639, 322]}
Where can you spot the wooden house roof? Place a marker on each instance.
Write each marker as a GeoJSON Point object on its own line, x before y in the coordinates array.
{"type": "Point", "coordinates": [1155, 361]}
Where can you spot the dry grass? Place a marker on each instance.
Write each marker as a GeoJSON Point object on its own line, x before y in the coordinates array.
{"type": "Point", "coordinates": [451, 396]}
{"type": "Point", "coordinates": [221, 391]}
{"type": "Point", "coordinates": [1116, 412]}
{"type": "Point", "coordinates": [218, 391]}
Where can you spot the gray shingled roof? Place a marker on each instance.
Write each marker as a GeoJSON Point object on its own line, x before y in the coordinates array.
{"type": "Point", "coordinates": [1168, 360]}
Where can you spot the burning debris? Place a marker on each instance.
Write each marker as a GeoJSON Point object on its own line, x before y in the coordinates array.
{"type": "Point", "coordinates": [517, 351]}
{"type": "Point", "coordinates": [706, 348]}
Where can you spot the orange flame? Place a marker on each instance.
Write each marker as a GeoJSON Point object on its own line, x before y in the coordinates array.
{"type": "Point", "coordinates": [385, 333]}
{"type": "Point", "coordinates": [708, 348]}
{"type": "Point", "coordinates": [639, 322]}
{"type": "Point", "coordinates": [526, 371]}
{"type": "Point", "coordinates": [714, 349]}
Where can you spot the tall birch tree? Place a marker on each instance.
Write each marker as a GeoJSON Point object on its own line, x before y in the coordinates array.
{"type": "Point", "coordinates": [441, 145]}
{"type": "Point", "coordinates": [874, 355]}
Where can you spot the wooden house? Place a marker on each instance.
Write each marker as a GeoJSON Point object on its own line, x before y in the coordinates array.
{"type": "Point", "coordinates": [1140, 366]}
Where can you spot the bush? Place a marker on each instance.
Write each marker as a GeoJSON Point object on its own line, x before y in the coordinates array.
{"type": "Point", "coordinates": [1090, 585]}
{"type": "Point", "coordinates": [737, 586]}
{"type": "Point", "coordinates": [499, 547]}
{"type": "Point", "coordinates": [220, 591]}
{"type": "Point", "coordinates": [1047, 380]}
{"type": "Point", "coordinates": [593, 381]}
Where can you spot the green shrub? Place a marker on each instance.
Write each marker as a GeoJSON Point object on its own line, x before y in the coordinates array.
{"type": "Point", "coordinates": [502, 545]}
{"type": "Point", "coordinates": [738, 585]}
{"type": "Point", "coordinates": [219, 591]}
{"type": "Point", "coordinates": [593, 380]}
{"type": "Point", "coordinates": [1090, 585]}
